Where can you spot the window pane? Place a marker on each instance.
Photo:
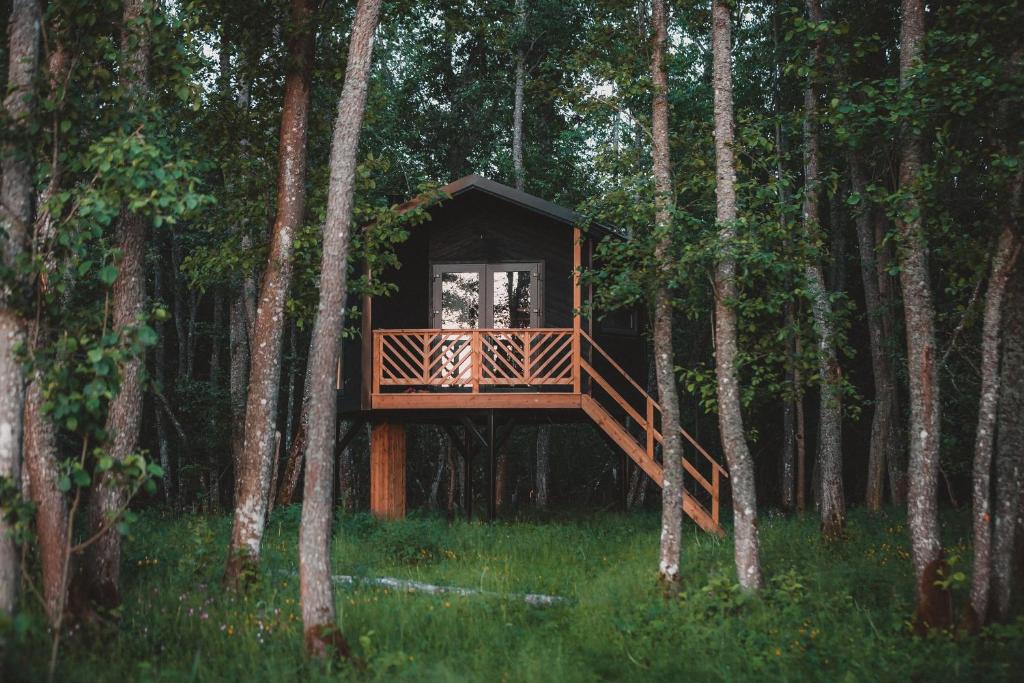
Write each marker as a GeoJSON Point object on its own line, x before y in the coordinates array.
{"type": "Point", "coordinates": [460, 300]}
{"type": "Point", "coordinates": [511, 297]}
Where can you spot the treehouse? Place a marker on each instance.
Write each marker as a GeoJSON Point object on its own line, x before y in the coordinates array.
{"type": "Point", "coordinates": [486, 332]}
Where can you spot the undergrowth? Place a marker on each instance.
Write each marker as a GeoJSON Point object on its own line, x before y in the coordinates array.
{"type": "Point", "coordinates": [830, 612]}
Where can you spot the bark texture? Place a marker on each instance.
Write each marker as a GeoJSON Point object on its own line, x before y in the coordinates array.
{"type": "Point", "coordinates": [730, 417]}
{"type": "Point", "coordinates": [517, 112]}
{"type": "Point", "coordinates": [1003, 261]}
{"type": "Point", "coordinates": [318, 614]}
{"type": "Point", "coordinates": [15, 221]}
{"type": "Point", "coordinates": [1009, 467]}
{"type": "Point", "coordinates": [919, 314]}
{"type": "Point", "coordinates": [257, 455]}
{"type": "Point", "coordinates": [128, 300]}
{"type": "Point", "coordinates": [884, 434]}
{"type": "Point", "coordinates": [664, 357]}
{"type": "Point", "coordinates": [830, 411]}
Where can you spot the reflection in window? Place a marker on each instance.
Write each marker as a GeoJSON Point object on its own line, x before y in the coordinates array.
{"type": "Point", "coordinates": [511, 299]}
{"type": "Point", "coordinates": [460, 300]}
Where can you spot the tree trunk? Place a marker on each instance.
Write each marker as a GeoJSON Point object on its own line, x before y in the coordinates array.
{"type": "Point", "coordinates": [16, 193]}
{"type": "Point", "coordinates": [789, 426]}
{"type": "Point", "coordinates": [896, 458]}
{"type": "Point", "coordinates": [664, 360]}
{"type": "Point", "coordinates": [215, 338]}
{"type": "Point", "coordinates": [517, 112]}
{"type": "Point", "coordinates": [730, 416]}
{"type": "Point", "coordinates": [543, 466]}
{"type": "Point", "coordinates": [318, 616]}
{"type": "Point", "coordinates": [238, 340]}
{"type": "Point", "coordinates": [347, 470]}
{"type": "Point", "coordinates": [1009, 465]}
{"type": "Point", "coordinates": [1003, 262]}
{"type": "Point", "coordinates": [265, 368]}
{"type": "Point", "coordinates": [180, 313]}
{"type": "Point", "coordinates": [42, 461]}
{"type": "Point", "coordinates": [128, 303]}
{"type": "Point", "coordinates": [801, 431]}
{"type": "Point", "coordinates": [922, 366]}
{"type": "Point", "coordinates": [293, 362]}
{"type": "Point", "coordinates": [830, 425]}
{"type": "Point", "coordinates": [883, 421]}
{"type": "Point", "coordinates": [160, 375]}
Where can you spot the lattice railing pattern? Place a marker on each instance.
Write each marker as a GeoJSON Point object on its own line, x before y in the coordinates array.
{"type": "Point", "coordinates": [460, 359]}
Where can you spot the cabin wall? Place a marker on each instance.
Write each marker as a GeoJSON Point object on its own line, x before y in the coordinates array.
{"type": "Point", "coordinates": [479, 228]}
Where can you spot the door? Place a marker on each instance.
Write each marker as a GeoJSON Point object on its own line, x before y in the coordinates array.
{"type": "Point", "coordinates": [493, 295]}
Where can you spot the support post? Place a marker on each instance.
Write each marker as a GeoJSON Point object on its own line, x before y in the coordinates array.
{"type": "Point", "coordinates": [492, 503]}
{"type": "Point", "coordinates": [470, 451]}
{"type": "Point", "coordinates": [387, 470]}
{"type": "Point", "coordinates": [577, 302]}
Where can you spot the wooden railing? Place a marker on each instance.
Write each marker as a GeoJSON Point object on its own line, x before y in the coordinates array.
{"type": "Point", "coordinates": [542, 360]}
{"type": "Point", "coordinates": [470, 360]}
{"type": "Point", "coordinates": [640, 415]}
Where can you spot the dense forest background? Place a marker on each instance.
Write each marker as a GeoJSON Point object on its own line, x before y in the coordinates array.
{"type": "Point", "coordinates": [823, 118]}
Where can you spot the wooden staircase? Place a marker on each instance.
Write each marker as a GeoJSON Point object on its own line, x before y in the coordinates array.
{"type": "Point", "coordinates": [638, 433]}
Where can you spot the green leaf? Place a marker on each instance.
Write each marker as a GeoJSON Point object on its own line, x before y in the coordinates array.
{"type": "Point", "coordinates": [108, 274]}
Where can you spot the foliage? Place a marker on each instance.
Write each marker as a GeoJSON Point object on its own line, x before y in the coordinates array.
{"type": "Point", "coordinates": [835, 612]}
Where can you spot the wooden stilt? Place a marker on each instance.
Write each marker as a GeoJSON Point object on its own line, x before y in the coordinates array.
{"type": "Point", "coordinates": [387, 470]}
{"type": "Point", "coordinates": [492, 503]}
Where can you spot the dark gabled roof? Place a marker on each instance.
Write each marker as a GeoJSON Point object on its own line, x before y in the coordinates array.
{"type": "Point", "coordinates": [476, 183]}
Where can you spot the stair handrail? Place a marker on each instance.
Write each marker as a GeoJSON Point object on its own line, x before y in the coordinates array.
{"type": "Point", "coordinates": [652, 404]}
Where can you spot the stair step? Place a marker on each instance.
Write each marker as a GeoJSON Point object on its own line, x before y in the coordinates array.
{"type": "Point", "coordinates": [621, 437]}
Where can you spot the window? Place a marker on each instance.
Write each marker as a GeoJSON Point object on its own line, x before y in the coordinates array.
{"type": "Point", "coordinates": [509, 297]}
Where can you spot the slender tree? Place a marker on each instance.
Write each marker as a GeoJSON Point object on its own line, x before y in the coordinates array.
{"type": "Point", "coordinates": [1009, 466]}
{"type": "Point", "coordinates": [730, 417]}
{"type": "Point", "coordinates": [1003, 262]}
{"type": "Point", "coordinates": [922, 360]}
{"type": "Point", "coordinates": [664, 357]}
{"type": "Point", "coordinates": [830, 410]}
{"type": "Point", "coordinates": [318, 615]}
{"type": "Point", "coordinates": [127, 304]}
{"type": "Point", "coordinates": [16, 194]}
{"type": "Point", "coordinates": [265, 368]}
{"type": "Point", "coordinates": [883, 420]}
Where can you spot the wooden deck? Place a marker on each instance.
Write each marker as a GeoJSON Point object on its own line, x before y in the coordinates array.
{"type": "Point", "coordinates": [537, 369]}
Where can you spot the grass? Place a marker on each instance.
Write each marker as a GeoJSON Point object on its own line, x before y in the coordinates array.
{"type": "Point", "coordinates": [830, 612]}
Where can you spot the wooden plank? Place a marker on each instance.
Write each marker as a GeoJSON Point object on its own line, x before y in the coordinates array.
{"type": "Point", "coordinates": [565, 401]}
{"type": "Point", "coordinates": [649, 428]}
{"type": "Point", "coordinates": [387, 470]}
{"type": "Point", "coordinates": [614, 394]}
{"type": "Point", "coordinates": [621, 437]}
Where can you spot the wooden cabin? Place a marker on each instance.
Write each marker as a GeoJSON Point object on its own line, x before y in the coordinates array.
{"type": "Point", "coordinates": [485, 332]}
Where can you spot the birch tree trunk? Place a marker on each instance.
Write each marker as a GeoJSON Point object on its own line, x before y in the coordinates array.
{"type": "Point", "coordinates": [265, 368]}
{"type": "Point", "coordinates": [127, 304]}
{"type": "Point", "coordinates": [730, 416]}
{"type": "Point", "coordinates": [1009, 465]}
{"type": "Point", "coordinates": [318, 616]}
{"type": "Point", "coordinates": [664, 357]}
{"type": "Point", "coordinates": [830, 425]}
{"type": "Point", "coordinates": [1003, 262]}
{"type": "Point", "coordinates": [883, 420]}
{"type": "Point", "coordinates": [922, 360]}
{"type": "Point", "coordinates": [517, 112]}
{"type": "Point", "coordinates": [15, 226]}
